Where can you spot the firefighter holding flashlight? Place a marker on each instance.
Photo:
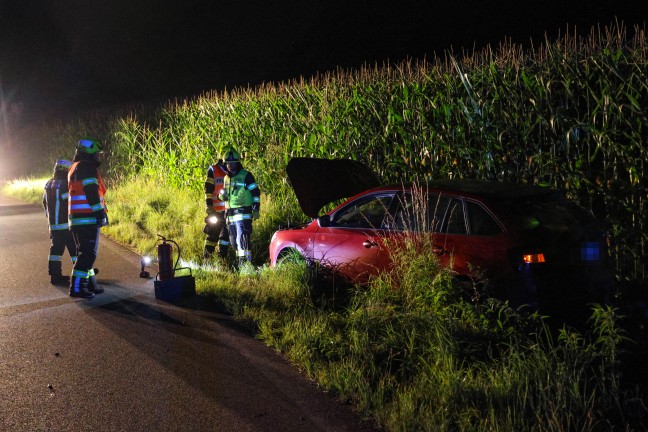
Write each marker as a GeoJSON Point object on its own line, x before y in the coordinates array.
{"type": "Point", "coordinates": [242, 201]}
{"type": "Point", "coordinates": [215, 226]}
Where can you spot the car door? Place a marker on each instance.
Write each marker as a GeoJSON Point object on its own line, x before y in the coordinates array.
{"type": "Point", "coordinates": [465, 235]}
{"type": "Point", "coordinates": [473, 240]}
{"type": "Point", "coordinates": [351, 243]}
{"type": "Point", "coordinates": [418, 212]}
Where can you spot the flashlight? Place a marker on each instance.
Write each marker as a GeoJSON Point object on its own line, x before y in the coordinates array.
{"type": "Point", "coordinates": [146, 260]}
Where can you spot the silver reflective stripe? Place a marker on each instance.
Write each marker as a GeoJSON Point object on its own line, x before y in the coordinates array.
{"type": "Point", "coordinates": [239, 217]}
{"type": "Point", "coordinates": [57, 208]}
{"type": "Point", "coordinates": [80, 207]}
{"type": "Point", "coordinates": [83, 221]}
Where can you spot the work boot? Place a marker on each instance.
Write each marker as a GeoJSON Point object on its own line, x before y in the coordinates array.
{"type": "Point", "coordinates": [93, 286]}
{"type": "Point", "coordinates": [59, 280]}
{"type": "Point", "coordinates": [79, 288]}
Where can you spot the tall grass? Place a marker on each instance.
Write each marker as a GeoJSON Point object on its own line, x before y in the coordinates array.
{"type": "Point", "coordinates": [420, 357]}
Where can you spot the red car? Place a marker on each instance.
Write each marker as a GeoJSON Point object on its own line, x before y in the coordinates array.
{"type": "Point", "coordinates": [528, 242]}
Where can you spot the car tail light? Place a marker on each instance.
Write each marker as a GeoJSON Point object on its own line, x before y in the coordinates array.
{"type": "Point", "coordinates": [533, 258]}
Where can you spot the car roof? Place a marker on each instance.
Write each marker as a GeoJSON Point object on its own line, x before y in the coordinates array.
{"type": "Point", "coordinates": [491, 189]}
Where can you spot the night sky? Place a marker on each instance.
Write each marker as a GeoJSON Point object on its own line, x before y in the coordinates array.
{"type": "Point", "coordinates": [65, 56]}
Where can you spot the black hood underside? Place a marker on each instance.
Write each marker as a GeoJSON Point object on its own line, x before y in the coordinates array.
{"type": "Point", "coordinates": [318, 182]}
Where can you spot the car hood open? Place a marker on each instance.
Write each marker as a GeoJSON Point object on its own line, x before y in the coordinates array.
{"type": "Point", "coordinates": [318, 182]}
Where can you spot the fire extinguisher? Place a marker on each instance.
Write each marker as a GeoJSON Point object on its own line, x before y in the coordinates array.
{"type": "Point", "coordinates": [165, 258]}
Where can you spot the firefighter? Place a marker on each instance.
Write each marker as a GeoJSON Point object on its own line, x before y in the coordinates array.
{"type": "Point", "coordinates": [86, 214]}
{"type": "Point", "coordinates": [55, 203]}
{"type": "Point", "coordinates": [242, 201]}
{"type": "Point", "coordinates": [215, 226]}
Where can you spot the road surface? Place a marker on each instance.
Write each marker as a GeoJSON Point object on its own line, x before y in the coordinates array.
{"type": "Point", "coordinates": [125, 361]}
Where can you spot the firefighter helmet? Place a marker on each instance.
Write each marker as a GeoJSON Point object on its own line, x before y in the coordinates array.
{"type": "Point", "coordinates": [231, 155]}
{"type": "Point", "coordinates": [90, 146]}
{"type": "Point", "coordinates": [62, 165]}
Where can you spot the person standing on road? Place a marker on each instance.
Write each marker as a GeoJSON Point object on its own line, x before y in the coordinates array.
{"type": "Point", "coordinates": [55, 203]}
{"type": "Point", "coordinates": [86, 214]}
{"type": "Point", "coordinates": [215, 226]}
{"type": "Point", "coordinates": [242, 201]}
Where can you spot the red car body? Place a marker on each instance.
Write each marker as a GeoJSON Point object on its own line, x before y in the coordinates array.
{"type": "Point", "coordinates": [528, 242]}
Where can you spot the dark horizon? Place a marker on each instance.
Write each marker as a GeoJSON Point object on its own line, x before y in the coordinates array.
{"type": "Point", "coordinates": [58, 59]}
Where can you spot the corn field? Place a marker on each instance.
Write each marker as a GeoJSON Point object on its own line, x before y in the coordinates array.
{"type": "Point", "coordinates": [571, 113]}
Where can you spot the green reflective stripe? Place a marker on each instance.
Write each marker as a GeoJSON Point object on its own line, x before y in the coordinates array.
{"type": "Point", "coordinates": [55, 257]}
{"type": "Point", "coordinates": [81, 274]}
{"type": "Point", "coordinates": [209, 180]}
{"type": "Point", "coordinates": [209, 196]}
{"type": "Point", "coordinates": [59, 227]}
{"type": "Point", "coordinates": [89, 181]}
{"type": "Point", "coordinates": [210, 243]}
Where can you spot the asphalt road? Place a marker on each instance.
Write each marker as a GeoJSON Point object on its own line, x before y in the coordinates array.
{"type": "Point", "coordinates": [125, 361]}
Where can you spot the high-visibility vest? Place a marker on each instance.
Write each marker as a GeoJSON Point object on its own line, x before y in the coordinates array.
{"type": "Point", "coordinates": [214, 186]}
{"type": "Point", "coordinates": [239, 193]}
{"type": "Point", "coordinates": [79, 208]}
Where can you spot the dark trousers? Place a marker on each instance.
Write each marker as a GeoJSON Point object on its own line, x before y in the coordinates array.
{"type": "Point", "coordinates": [217, 234]}
{"type": "Point", "coordinates": [87, 243]}
{"type": "Point", "coordinates": [61, 239]}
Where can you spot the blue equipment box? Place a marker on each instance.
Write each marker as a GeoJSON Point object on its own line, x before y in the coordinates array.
{"type": "Point", "coordinates": [175, 289]}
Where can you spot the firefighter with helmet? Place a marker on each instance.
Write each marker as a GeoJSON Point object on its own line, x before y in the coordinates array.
{"type": "Point", "coordinates": [86, 214]}
{"type": "Point", "coordinates": [55, 203]}
{"type": "Point", "coordinates": [242, 201]}
{"type": "Point", "coordinates": [215, 226]}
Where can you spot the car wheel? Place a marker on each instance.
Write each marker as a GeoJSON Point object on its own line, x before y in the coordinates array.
{"type": "Point", "coordinates": [290, 256]}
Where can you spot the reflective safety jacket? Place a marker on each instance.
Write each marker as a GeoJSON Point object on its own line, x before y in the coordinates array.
{"type": "Point", "coordinates": [55, 201]}
{"type": "Point", "coordinates": [214, 183]}
{"type": "Point", "coordinates": [87, 192]}
{"type": "Point", "coordinates": [241, 192]}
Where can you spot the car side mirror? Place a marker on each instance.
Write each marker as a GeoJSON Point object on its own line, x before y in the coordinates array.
{"type": "Point", "coordinates": [324, 221]}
